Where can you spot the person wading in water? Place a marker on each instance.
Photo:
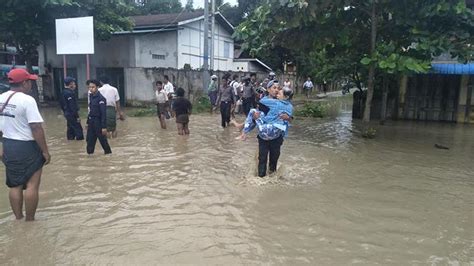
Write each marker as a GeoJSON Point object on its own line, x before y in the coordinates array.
{"type": "Point", "coordinates": [25, 151]}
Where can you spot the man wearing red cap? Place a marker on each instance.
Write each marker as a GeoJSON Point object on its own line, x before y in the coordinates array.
{"type": "Point", "coordinates": [24, 145]}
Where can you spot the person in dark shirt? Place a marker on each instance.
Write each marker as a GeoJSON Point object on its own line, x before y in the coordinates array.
{"type": "Point", "coordinates": [96, 120]}
{"type": "Point", "coordinates": [71, 110]}
{"type": "Point", "coordinates": [182, 107]}
{"type": "Point", "coordinates": [248, 96]}
{"type": "Point", "coordinates": [226, 101]}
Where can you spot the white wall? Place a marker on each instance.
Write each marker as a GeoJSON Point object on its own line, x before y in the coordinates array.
{"type": "Point", "coordinates": [158, 44]}
{"type": "Point", "coordinates": [240, 66]}
{"type": "Point", "coordinates": [191, 46]}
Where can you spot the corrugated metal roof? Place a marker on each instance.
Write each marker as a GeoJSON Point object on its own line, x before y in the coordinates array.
{"type": "Point", "coordinates": [165, 19]}
{"type": "Point", "coordinates": [453, 68]}
{"type": "Point", "coordinates": [172, 21]}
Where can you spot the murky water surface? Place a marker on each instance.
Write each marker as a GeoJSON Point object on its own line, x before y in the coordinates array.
{"type": "Point", "coordinates": [336, 199]}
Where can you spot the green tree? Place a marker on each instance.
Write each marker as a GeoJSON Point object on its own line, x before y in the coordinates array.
{"type": "Point", "coordinates": [26, 24]}
{"type": "Point", "coordinates": [189, 6]}
{"type": "Point", "coordinates": [368, 38]}
{"type": "Point", "coordinates": [236, 14]}
{"type": "Point", "coordinates": [160, 7]}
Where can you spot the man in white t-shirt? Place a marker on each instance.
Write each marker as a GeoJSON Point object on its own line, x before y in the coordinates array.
{"type": "Point", "coordinates": [169, 89]}
{"type": "Point", "coordinates": [24, 150]}
{"type": "Point", "coordinates": [308, 87]}
{"type": "Point", "coordinates": [111, 94]}
{"type": "Point", "coordinates": [161, 103]}
{"type": "Point", "coordinates": [237, 90]}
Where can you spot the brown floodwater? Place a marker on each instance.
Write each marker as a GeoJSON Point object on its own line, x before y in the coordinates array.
{"type": "Point", "coordinates": [336, 199]}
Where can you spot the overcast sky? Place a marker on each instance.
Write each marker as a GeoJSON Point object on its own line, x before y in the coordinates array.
{"type": "Point", "coordinates": [200, 3]}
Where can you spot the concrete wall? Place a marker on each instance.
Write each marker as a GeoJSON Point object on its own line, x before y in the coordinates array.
{"type": "Point", "coordinates": [156, 50]}
{"type": "Point", "coordinates": [191, 46]}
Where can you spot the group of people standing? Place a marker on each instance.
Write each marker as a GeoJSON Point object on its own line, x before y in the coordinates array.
{"type": "Point", "coordinates": [103, 110]}
{"type": "Point", "coordinates": [267, 107]}
{"type": "Point", "coordinates": [170, 104]}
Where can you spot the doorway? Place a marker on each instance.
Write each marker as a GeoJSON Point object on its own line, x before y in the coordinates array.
{"type": "Point", "coordinates": [58, 74]}
{"type": "Point", "coordinates": [117, 79]}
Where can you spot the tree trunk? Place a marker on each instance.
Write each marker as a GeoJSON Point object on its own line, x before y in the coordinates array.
{"type": "Point", "coordinates": [383, 111]}
{"type": "Point", "coordinates": [370, 83]}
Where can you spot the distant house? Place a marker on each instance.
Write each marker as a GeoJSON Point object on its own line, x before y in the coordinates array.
{"type": "Point", "coordinates": [176, 40]}
{"type": "Point", "coordinates": [250, 65]}
{"type": "Point", "coordinates": [156, 41]}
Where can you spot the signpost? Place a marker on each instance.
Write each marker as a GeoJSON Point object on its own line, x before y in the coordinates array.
{"type": "Point", "coordinates": [75, 36]}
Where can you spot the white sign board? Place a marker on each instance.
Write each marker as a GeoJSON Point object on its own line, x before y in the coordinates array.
{"type": "Point", "coordinates": [75, 35]}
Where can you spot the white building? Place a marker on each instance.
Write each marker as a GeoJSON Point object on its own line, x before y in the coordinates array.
{"type": "Point", "coordinates": [250, 65]}
{"type": "Point", "coordinates": [169, 40]}
{"type": "Point", "coordinates": [157, 41]}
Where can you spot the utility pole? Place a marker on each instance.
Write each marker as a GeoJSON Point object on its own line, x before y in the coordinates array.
{"type": "Point", "coordinates": [213, 26]}
{"type": "Point", "coordinates": [205, 66]}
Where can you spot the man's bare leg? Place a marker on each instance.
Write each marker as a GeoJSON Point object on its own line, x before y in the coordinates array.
{"type": "Point", "coordinates": [186, 129]}
{"type": "Point", "coordinates": [31, 195]}
{"type": "Point", "coordinates": [180, 128]}
{"type": "Point", "coordinates": [16, 201]}
{"type": "Point", "coordinates": [162, 121]}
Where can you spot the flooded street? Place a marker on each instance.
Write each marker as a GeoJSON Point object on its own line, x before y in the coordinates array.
{"type": "Point", "coordinates": [336, 199]}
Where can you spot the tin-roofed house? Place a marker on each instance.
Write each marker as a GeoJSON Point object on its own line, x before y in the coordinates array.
{"type": "Point", "coordinates": [169, 41]}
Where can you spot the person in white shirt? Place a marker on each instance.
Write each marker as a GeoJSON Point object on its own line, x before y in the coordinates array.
{"type": "Point", "coordinates": [24, 151]}
{"type": "Point", "coordinates": [237, 91]}
{"type": "Point", "coordinates": [111, 94]}
{"type": "Point", "coordinates": [287, 84]}
{"type": "Point", "coordinates": [169, 89]}
{"type": "Point", "coordinates": [308, 87]}
{"type": "Point", "coordinates": [161, 103]}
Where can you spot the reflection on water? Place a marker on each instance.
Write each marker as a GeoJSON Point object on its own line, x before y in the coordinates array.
{"type": "Point", "coordinates": [336, 199]}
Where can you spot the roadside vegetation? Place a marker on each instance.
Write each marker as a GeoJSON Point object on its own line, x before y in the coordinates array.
{"type": "Point", "coordinates": [327, 108]}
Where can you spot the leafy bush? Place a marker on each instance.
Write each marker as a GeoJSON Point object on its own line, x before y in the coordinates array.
{"type": "Point", "coordinates": [330, 107]}
{"type": "Point", "coordinates": [369, 133]}
{"type": "Point", "coordinates": [317, 109]}
{"type": "Point", "coordinates": [201, 105]}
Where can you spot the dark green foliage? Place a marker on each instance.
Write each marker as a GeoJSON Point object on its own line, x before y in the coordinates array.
{"type": "Point", "coordinates": [312, 110]}
{"type": "Point", "coordinates": [159, 7]}
{"type": "Point", "coordinates": [27, 23]}
{"type": "Point", "coordinates": [331, 39]}
{"type": "Point", "coordinates": [202, 105]}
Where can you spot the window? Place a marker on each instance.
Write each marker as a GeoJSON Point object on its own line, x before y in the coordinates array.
{"type": "Point", "coordinates": [158, 56]}
{"type": "Point", "coordinates": [227, 49]}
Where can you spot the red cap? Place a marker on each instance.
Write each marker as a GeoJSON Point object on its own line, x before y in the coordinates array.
{"type": "Point", "coordinates": [18, 75]}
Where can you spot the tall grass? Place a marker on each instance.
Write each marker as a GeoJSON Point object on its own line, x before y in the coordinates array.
{"type": "Point", "coordinates": [330, 107]}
